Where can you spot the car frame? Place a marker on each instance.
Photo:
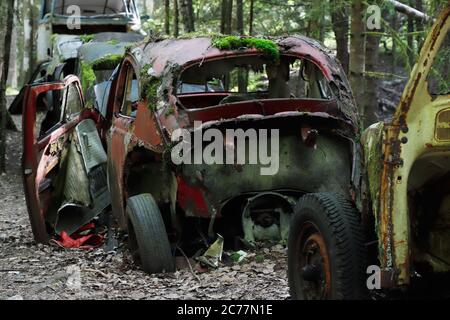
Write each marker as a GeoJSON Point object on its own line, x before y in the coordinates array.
{"type": "Point", "coordinates": [166, 207]}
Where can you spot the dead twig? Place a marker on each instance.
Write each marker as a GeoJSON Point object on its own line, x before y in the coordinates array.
{"type": "Point", "coordinates": [104, 275]}
{"type": "Point", "coordinates": [190, 265]}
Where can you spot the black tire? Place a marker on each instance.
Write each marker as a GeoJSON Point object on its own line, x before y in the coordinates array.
{"type": "Point", "coordinates": [326, 253]}
{"type": "Point", "coordinates": [147, 234]}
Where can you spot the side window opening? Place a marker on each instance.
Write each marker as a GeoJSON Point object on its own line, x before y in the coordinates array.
{"type": "Point", "coordinates": [73, 103]}
{"type": "Point", "coordinates": [96, 8]}
{"type": "Point", "coordinates": [49, 108]}
{"type": "Point", "coordinates": [130, 95]}
{"type": "Point", "coordinates": [59, 107]}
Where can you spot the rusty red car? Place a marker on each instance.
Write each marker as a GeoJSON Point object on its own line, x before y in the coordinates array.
{"type": "Point", "coordinates": [123, 157]}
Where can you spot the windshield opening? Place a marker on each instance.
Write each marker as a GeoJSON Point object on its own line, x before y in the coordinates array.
{"type": "Point", "coordinates": [91, 8]}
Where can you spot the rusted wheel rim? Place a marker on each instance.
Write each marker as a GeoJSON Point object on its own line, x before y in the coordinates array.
{"type": "Point", "coordinates": [314, 264]}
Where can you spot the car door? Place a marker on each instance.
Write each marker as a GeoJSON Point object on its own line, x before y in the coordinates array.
{"type": "Point", "coordinates": [39, 76]}
{"type": "Point", "coordinates": [46, 153]}
{"type": "Point", "coordinates": [132, 124]}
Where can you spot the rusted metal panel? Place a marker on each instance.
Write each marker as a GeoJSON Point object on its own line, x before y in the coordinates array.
{"type": "Point", "coordinates": [321, 138]}
{"type": "Point", "coordinates": [407, 138]}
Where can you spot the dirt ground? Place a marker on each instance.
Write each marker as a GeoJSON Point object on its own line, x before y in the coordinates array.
{"type": "Point", "coordinates": [31, 271]}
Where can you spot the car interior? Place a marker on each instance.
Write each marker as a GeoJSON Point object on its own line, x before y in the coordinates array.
{"type": "Point", "coordinates": [240, 79]}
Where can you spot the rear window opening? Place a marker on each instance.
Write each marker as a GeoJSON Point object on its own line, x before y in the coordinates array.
{"type": "Point", "coordinates": [238, 79]}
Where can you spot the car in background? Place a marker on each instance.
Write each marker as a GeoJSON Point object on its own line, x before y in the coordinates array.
{"type": "Point", "coordinates": [96, 16]}
{"type": "Point", "coordinates": [117, 21]}
{"type": "Point", "coordinates": [94, 64]}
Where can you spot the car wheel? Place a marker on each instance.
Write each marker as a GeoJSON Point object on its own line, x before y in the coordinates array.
{"type": "Point", "coordinates": [147, 234]}
{"type": "Point", "coordinates": [326, 253]}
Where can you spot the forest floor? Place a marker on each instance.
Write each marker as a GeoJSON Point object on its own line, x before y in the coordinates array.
{"type": "Point", "coordinates": [31, 271]}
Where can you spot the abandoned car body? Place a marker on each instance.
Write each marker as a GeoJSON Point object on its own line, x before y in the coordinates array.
{"type": "Point", "coordinates": [411, 197]}
{"type": "Point", "coordinates": [292, 85]}
{"type": "Point", "coordinates": [115, 21]}
{"type": "Point", "coordinates": [93, 62]}
{"type": "Point", "coordinates": [83, 17]}
{"type": "Point", "coordinates": [406, 211]}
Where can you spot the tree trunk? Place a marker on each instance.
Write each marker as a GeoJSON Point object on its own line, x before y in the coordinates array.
{"type": "Point", "coordinates": [12, 73]}
{"type": "Point", "coordinates": [357, 54]}
{"type": "Point", "coordinates": [20, 16]}
{"type": "Point", "coordinates": [229, 17]}
{"type": "Point", "coordinates": [315, 22]}
{"type": "Point", "coordinates": [252, 17]}
{"type": "Point", "coordinates": [176, 21]}
{"type": "Point", "coordinates": [167, 16]}
{"type": "Point", "coordinates": [187, 11]}
{"type": "Point", "coordinates": [191, 15]}
{"type": "Point", "coordinates": [340, 20]}
{"type": "Point", "coordinates": [27, 40]}
{"type": "Point", "coordinates": [242, 74]}
{"type": "Point", "coordinates": [240, 16]}
{"type": "Point", "coordinates": [223, 18]}
{"type": "Point", "coordinates": [4, 79]}
{"type": "Point", "coordinates": [185, 15]}
{"type": "Point", "coordinates": [371, 91]}
{"type": "Point", "coordinates": [34, 14]}
{"type": "Point", "coordinates": [226, 23]}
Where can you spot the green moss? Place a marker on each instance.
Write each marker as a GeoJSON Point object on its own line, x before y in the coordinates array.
{"type": "Point", "coordinates": [113, 42]}
{"type": "Point", "coordinates": [53, 37]}
{"type": "Point", "coordinates": [108, 62]}
{"type": "Point", "coordinates": [267, 46]}
{"type": "Point", "coordinates": [144, 71]}
{"type": "Point", "coordinates": [128, 48]}
{"type": "Point", "coordinates": [170, 111]}
{"type": "Point", "coordinates": [150, 89]}
{"type": "Point", "coordinates": [87, 38]}
{"type": "Point", "coordinates": [193, 35]}
{"type": "Point", "coordinates": [88, 77]}
{"type": "Point", "coordinates": [259, 259]}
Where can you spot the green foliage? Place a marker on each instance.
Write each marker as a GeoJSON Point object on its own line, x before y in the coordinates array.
{"type": "Point", "coordinates": [259, 259]}
{"type": "Point", "coordinates": [88, 77]}
{"type": "Point", "coordinates": [108, 62]}
{"type": "Point", "coordinates": [113, 42]}
{"type": "Point", "coordinates": [128, 48]}
{"type": "Point", "coordinates": [267, 46]}
{"type": "Point", "coordinates": [150, 87]}
{"type": "Point", "coordinates": [87, 38]}
{"type": "Point", "coordinates": [144, 71]}
{"type": "Point", "coordinates": [200, 34]}
{"type": "Point", "coordinates": [170, 111]}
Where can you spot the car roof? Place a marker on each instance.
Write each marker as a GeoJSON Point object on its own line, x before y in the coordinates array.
{"type": "Point", "coordinates": [181, 52]}
{"type": "Point", "coordinates": [176, 53]}
{"type": "Point", "coordinates": [105, 44]}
